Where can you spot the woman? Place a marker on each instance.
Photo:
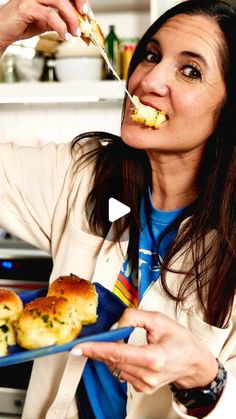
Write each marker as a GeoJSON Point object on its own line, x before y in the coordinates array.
{"type": "Point", "coordinates": [178, 266]}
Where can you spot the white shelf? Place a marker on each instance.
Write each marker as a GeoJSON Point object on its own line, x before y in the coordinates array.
{"type": "Point", "coordinates": [113, 5]}
{"type": "Point", "coordinates": [119, 5]}
{"type": "Point", "coordinates": [61, 92]}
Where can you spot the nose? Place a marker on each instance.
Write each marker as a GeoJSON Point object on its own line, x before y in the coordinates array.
{"type": "Point", "coordinates": [157, 80]}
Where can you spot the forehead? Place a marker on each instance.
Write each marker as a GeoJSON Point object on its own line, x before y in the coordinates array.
{"type": "Point", "coordinates": [200, 33]}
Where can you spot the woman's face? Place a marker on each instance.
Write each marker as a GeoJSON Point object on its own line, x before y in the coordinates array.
{"type": "Point", "coordinates": [180, 75]}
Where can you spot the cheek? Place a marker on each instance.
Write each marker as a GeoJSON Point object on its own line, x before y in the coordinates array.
{"type": "Point", "coordinates": [197, 107]}
{"type": "Point", "coordinates": [135, 80]}
{"type": "Point", "coordinates": [188, 104]}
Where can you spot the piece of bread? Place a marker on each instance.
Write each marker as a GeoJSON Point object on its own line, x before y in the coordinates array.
{"type": "Point", "coordinates": [47, 321]}
{"type": "Point", "coordinates": [3, 341]}
{"type": "Point", "coordinates": [79, 292]}
{"type": "Point", "coordinates": [10, 305]}
{"type": "Point", "coordinates": [147, 115]}
{"type": "Point", "coordinates": [10, 308]}
{"type": "Point", "coordinates": [8, 332]}
{"type": "Point", "coordinates": [7, 336]}
{"type": "Point", "coordinates": [90, 30]}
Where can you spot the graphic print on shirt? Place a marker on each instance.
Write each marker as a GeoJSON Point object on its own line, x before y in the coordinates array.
{"type": "Point", "coordinates": [130, 287]}
{"type": "Point", "coordinates": [148, 260]}
{"type": "Point", "coordinates": [148, 268]}
{"type": "Point", "coordinates": [125, 287]}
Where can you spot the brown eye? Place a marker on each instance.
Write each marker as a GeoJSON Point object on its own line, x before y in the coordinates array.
{"type": "Point", "coordinates": [151, 57]}
{"type": "Point", "coordinates": [192, 72]}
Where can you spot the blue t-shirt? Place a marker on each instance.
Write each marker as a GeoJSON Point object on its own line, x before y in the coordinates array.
{"type": "Point", "coordinates": [107, 397]}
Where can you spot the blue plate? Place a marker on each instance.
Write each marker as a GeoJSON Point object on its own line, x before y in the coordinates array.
{"type": "Point", "coordinates": [110, 309]}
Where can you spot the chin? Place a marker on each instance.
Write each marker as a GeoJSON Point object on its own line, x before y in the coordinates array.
{"type": "Point", "coordinates": [137, 136]}
{"type": "Point", "coordinates": [133, 140]}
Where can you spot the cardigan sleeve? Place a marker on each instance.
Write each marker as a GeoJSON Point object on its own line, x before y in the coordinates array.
{"type": "Point", "coordinates": [31, 182]}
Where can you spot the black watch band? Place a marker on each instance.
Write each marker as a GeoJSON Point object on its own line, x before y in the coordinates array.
{"type": "Point", "coordinates": [202, 396]}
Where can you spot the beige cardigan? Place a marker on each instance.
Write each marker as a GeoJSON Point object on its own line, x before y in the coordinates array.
{"type": "Point", "coordinates": [44, 205]}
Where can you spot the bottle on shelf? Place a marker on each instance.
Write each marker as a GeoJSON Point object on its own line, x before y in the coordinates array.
{"type": "Point", "coordinates": [112, 46]}
{"type": "Point", "coordinates": [49, 73]}
{"type": "Point", "coordinates": [128, 46]}
{"type": "Point", "coordinates": [8, 69]}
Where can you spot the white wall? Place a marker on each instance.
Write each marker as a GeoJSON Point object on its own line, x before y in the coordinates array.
{"type": "Point", "coordinates": [39, 123]}
{"type": "Point", "coordinates": [159, 7]}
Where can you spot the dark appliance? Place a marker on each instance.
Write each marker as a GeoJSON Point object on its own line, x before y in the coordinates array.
{"type": "Point", "coordinates": [22, 267]}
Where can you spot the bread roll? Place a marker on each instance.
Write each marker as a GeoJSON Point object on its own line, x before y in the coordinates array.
{"type": "Point", "coordinates": [7, 336]}
{"type": "Point", "coordinates": [10, 308]}
{"type": "Point", "coordinates": [47, 321]}
{"type": "Point", "coordinates": [3, 341]}
{"type": "Point", "coordinates": [79, 292]}
{"type": "Point", "coordinates": [8, 332]}
{"type": "Point", "coordinates": [10, 305]}
{"type": "Point", "coordinates": [147, 115]}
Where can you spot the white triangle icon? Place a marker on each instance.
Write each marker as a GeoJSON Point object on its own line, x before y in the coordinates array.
{"type": "Point", "coordinates": [116, 209]}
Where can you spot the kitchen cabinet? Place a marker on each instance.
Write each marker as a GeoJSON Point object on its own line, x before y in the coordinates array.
{"type": "Point", "coordinates": [58, 111]}
{"type": "Point", "coordinates": [122, 5]}
{"type": "Point", "coordinates": [131, 17]}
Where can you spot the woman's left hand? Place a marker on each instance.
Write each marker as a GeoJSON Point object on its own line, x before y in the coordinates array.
{"type": "Point", "coordinates": [172, 354]}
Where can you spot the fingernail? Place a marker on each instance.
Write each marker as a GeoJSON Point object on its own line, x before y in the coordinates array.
{"type": "Point", "coordinates": [68, 36]}
{"type": "Point", "coordinates": [91, 15]}
{"type": "Point", "coordinates": [78, 32]}
{"type": "Point", "coordinates": [77, 352]}
{"type": "Point", "coordinates": [85, 8]}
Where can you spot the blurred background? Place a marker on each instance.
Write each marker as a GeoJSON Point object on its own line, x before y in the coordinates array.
{"type": "Point", "coordinates": [52, 90]}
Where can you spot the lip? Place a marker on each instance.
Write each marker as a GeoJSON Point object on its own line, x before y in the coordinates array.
{"type": "Point", "coordinates": [152, 105]}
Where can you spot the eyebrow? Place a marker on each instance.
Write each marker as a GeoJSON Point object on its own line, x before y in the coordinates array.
{"type": "Point", "coordinates": [190, 54]}
{"type": "Point", "coordinates": [194, 55]}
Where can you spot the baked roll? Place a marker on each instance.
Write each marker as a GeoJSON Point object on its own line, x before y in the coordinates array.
{"type": "Point", "coordinates": [147, 115]}
{"type": "Point", "coordinates": [10, 308]}
{"type": "Point", "coordinates": [7, 336]}
{"type": "Point", "coordinates": [3, 339]}
{"type": "Point", "coordinates": [47, 321]}
{"type": "Point", "coordinates": [80, 293]}
{"type": "Point", "coordinates": [10, 305]}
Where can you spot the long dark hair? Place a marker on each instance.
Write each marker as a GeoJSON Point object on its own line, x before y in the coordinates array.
{"type": "Point", "coordinates": [209, 235]}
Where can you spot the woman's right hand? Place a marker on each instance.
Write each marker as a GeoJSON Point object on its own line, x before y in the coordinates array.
{"type": "Point", "coordinates": [21, 19]}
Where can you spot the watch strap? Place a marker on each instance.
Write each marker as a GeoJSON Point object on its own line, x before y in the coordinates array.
{"type": "Point", "coordinates": [202, 396]}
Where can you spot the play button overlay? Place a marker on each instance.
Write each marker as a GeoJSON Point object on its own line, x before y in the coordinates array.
{"type": "Point", "coordinates": [116, 209]}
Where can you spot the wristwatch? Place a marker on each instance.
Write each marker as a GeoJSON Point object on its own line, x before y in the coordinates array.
{"type": "Point", "coordinates": [202, 396]}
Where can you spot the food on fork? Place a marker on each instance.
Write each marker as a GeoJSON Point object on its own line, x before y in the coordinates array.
{"type": "Point", "coordinates": [80, 293]}
{"type": "Point", "coordinates": [147, 115]}
{"type": "Point", "coordinates": [47, 321]}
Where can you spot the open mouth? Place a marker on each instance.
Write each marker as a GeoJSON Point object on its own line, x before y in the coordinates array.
{"type": "Point", "coordinates": [148, 115]}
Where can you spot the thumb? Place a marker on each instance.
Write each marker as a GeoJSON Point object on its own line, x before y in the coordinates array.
{"type": "Point", "coordinates": [155, 323]}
